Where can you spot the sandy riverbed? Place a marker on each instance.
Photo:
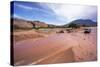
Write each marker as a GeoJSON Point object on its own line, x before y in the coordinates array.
{"type": "Point", "coordinates": [57, 48]}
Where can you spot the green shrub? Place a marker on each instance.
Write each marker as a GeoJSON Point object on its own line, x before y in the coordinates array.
{"type": "Point", "coordinates": [73, 26]}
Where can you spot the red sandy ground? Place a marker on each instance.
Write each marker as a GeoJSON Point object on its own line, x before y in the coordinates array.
{"type": "Point", "coordinates": [57, 48]}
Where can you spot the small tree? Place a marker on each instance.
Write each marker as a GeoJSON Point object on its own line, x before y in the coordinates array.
{"type": "Point", "coordinates": [83, 25]}
{"type": "Point", "coordinates": [73, 25]}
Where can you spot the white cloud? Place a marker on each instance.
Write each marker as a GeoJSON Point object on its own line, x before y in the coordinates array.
{"type": "Point", "coordinates": [17, 16]}
{"type": "Point", "coordinates": [23, 6]}
{"type": "Point", "coordinates": [72, 12]}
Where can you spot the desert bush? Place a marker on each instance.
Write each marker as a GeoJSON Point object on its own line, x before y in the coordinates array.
{"type": "Point", "coordinates": [73, 26]}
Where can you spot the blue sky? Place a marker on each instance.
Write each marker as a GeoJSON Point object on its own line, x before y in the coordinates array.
{"type": "Point", "coordinates": [51, 13]}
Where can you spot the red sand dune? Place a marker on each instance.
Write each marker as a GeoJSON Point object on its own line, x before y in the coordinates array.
{"type": "Point", "coordinates": [57, 48]}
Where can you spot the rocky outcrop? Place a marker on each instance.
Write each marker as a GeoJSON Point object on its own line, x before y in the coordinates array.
{"type": "Point", "coordinates": [21, 24]}
{"type": "Point", "coordinates": [24, 24]}
{"type": "Point", "coordinates": [39, 24]}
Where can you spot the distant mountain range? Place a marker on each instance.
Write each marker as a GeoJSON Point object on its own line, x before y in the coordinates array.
{"type": "Point", "coordinates": [25, 24]}
{"type": "Point", "coordinates": [87, 22]}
